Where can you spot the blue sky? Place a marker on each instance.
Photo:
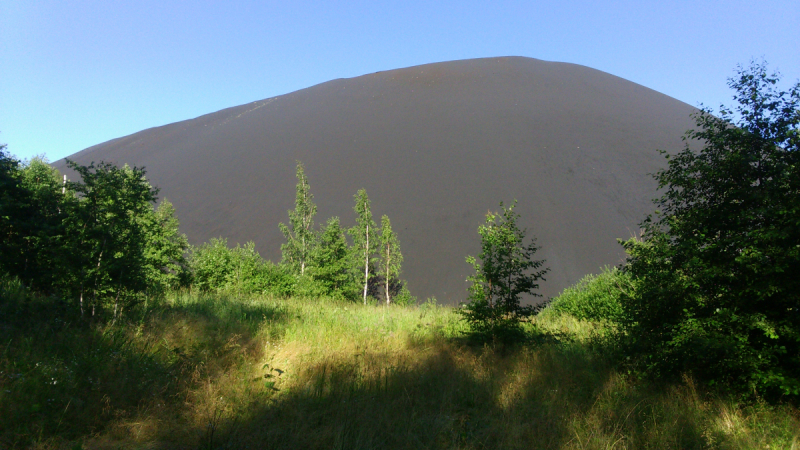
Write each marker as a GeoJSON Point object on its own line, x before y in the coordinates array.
{"type": "Point", "coordinates": [79, 73]}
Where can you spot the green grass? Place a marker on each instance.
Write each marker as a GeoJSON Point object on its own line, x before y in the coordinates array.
{"type": "Point", "coordinates": [216, 371]}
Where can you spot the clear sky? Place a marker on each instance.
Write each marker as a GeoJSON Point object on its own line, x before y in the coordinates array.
{"type": "Point", "coordinates": [77, 73]}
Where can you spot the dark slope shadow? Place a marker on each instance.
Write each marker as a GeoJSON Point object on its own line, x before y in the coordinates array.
{"type": "Point", "coordinates": [435, 146]}
{"type": "Point", "coordinates": [440, 404]}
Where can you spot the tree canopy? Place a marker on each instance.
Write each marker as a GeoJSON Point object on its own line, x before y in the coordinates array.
{"type": "Point", "coordinates": [364, 240]}
{"type": "Point", "coordinates": [504, 273]}
{"type": "Point", "coordinates": [716, 270]}
{"type": "Point", "coordinates": [299, 233]}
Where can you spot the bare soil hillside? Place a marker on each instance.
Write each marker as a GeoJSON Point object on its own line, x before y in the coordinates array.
{"type": "Point", "coordinates": [435, 146]}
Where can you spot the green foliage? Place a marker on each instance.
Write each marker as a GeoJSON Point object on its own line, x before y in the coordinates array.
{"type": "Point", "coordinates": [715, 275]}
{"type": "Point", "coordinates": [216, 267]}
{"type": "Point", "coordinates": [107, 237]}
{"type": "Point", "coordinates": [10, 195]}
{"type": "Point", "coordinates": [35, 210]}
{"type": "Point", "coordinates": [165, 246]}
{"type": "Point", "coordinates": [96, 242]}
{"type": "Point", "coordinates": [365, 242]}
{"type": "Point", "coordinates": [391, 259]}
{"type": "Point", "coordinates": [404, 297]}
{"type": "Point", "coordinates": [501, 278]}
{"type": "Point", "coordinates": [211, 264]}
{"type": "Point", "coordinates": [330, 264]}
{"type": "Point", "coordinates": [300, 238]}
{"type": "Point", "coordinates": [323, 264]}
{"type": "Point", "coordinates": [594, 297]}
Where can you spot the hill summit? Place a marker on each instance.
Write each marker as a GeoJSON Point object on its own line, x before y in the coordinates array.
{"type": "Point", "coordinates": [435, 146]}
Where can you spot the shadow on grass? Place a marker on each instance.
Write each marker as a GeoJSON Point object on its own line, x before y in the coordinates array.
{"type": "Point", "coordinates": [63, 377]}
{"type": "Point", "coordinates": [454, 396]}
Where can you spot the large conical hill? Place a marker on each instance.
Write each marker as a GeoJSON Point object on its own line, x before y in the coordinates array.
{"type": "Point", "coordinates": [436, 146]}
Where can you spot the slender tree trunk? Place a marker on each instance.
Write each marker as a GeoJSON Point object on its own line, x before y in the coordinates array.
{"type": "Point", "coordinates": [81, 301]}
{"type": "Point", "coordinates": [303, 253]}
{"type": "Point", "coordinates": [116, 305]}
{"type": "Point", "coordinates": [306, 226]}
{"type": "Point", "coordinates": [366, 266]}
{"type": "Point", "coordinates": [96, 280]}
{"type": "Point", "coordinates": [387, 273]}
{"type": "Point", "coordinates": [116, 299]}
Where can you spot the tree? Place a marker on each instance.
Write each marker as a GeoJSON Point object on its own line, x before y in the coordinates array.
{"type": "Point", "coordinates": [31, 215]}
{"type": "Point", "coordinates": [12, 196]}
{"type": "Point", "coordinates": [390, 257]}
{"type": "Point", "coordinates": [364, 242]}
{"type": "Point", "coordinates": [717, 287]}
{"type": "Point", "coordinates": [43, 213]}
{"type": "Point", "coordinates": [164, 250]}
{"type": "Point", "coordinates": [217, 267]}
{"type": "Point", "coordinates": [300, 232]}
{"type": "Point", "coordinates": [329, 267]}
{"type": "Point", "coordinates": [106, 238]}
{"type": "Point", "coordinates": [98, 239]}
{"type": "Point", "coordinates": [505, 272]}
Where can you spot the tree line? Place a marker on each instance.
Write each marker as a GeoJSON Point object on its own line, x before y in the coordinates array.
{"type": "Point", "coordinates": [104, 242]}
{"type": "Point", "coordinates": [98, 241]}
{"type": "Point", "coordinates": [326, 264]}
{"type": "Point", "coordinates": [315, 262]}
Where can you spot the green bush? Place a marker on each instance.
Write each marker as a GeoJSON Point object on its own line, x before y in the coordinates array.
{"type": "Point", "coordinates": [595, 297]}
{"type": "Point", "coordinates": [504, 273]}
{"type": "Point", "coordinates": [216, 267]}
{"type": "Point", "coordinates": [717, 292]}
{"type": "Point", "coordinates": [306, 286]}
{"type": "Point", "coordinates": [404, 297]}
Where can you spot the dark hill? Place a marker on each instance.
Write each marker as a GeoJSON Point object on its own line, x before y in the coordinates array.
{"type": "Point", "coordinates": [436, 146]}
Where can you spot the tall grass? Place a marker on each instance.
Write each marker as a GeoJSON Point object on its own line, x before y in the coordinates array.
{"type": "Point", "coordinates": [211, 371]}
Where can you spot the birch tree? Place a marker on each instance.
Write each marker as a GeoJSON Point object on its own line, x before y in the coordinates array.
{"type": "Point", "coordinates": [300, 232]}
{"type": "Point", "coordinates": [390, 256]}
{"type": "Point", "coordinates": [364, 238]}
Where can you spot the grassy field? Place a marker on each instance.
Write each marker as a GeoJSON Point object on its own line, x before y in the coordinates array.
{"type": "Point", "coordinates": [217, 371]}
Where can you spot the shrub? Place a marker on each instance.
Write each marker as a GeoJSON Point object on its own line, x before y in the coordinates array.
{"type": "Point", "coordinates": [595, 297]}
{"type": "Point", "coordinates": [505, 272]}
{"type": "Point", "coordinates": [404, 297]}
{"type": "Point", "coordinates": [216, 267]}
{"type": "Point", "coordinates": [716, 273]}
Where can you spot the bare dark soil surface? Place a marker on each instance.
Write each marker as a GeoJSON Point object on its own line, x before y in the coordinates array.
{"type": "Point", "coordinates": [435, 146]}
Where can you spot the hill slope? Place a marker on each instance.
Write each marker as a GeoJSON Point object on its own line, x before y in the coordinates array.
{"type": "Point", "coordinates": [436, 146]}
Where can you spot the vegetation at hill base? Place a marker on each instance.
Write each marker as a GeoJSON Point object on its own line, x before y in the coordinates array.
{"type": "Point", "coordinates": [715, 286]}
{"type": "Point", "coordinates": [116, 333]}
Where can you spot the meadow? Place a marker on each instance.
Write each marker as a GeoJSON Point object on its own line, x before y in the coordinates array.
{"type": "Point", "coordinates": [227, 371]}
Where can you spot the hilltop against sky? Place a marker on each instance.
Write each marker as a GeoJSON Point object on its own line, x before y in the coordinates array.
{"type": "Point", "coordinates": [82, 72]}
{"type": "Point", "coordinates": [435, 146]}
